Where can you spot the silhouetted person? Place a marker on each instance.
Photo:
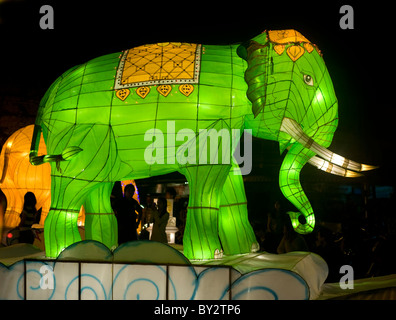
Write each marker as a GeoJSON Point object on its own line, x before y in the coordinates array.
{"type": "Point", "coordinates": [146, 217]}
{"type": "Point", "coordinates": [126, 215]}
{"type": "Point", "coordinates": [326, 247]}
{"type": "Point", "coordinates": [274, 231]}
{"type": "Point", "coordinates": [29, 216]}
{"type": "Point", "coordinates": [160, 218]}
{"type": "Point", "coordinates": [291, 241]}
{"type": "Point", "coordinates": [116, 196]}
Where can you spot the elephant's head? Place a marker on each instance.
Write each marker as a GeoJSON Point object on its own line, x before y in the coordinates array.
{"type": "Point", "coordinates": [294, 103]}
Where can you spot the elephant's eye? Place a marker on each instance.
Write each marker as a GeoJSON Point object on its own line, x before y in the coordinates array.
{"type": "Point", "coordinates": [308, 80]}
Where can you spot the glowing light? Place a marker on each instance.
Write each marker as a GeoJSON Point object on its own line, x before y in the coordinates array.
{"type": "Point", "coordinates": [190, 85]}
{"type": "Point", "coordinates": [319, 96]}
{"type": "Point", "coordinates": [18, 176]}
{"type": "Point", "coordinates": [337, 159]}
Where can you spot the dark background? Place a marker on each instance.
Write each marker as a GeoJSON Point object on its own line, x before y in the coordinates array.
{"type": "Point", "coordinates": [361, 62]}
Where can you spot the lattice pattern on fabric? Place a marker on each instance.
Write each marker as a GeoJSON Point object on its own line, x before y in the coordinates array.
{"type": "Point", "coordinates": [161, 63]}
{"type": "Point", "coordinates": [135, 114]}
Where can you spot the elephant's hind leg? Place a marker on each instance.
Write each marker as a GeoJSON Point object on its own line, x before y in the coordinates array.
{"type": "Point", "coordinates": [201, 238]}
{"type": "Point", "coordinates": [236, 233]}
{"type": "Point", "coordinates": [60, 227]}
{"type": "Point", "coordinates": [100, 221]}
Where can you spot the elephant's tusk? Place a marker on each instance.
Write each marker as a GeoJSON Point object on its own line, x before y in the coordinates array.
{"type": "Point", "coordinates": [292, 128]}
{"type": "Point", "coordinates": [332, 168]}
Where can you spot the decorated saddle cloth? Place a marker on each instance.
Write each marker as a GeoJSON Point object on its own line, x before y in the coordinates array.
{"type": "Point", "coordinates": [160, 64]}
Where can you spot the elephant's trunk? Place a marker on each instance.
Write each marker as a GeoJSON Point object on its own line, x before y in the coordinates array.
{"type": "Point", "coordinates": [4, 165]}
{"type": "Point", "coordinates": [289, 182]}
{"type": "Point", "coordinates": [303, 150]}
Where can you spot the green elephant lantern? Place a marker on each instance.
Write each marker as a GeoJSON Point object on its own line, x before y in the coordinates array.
{"type": "Point", "coordinates": [103, 121]}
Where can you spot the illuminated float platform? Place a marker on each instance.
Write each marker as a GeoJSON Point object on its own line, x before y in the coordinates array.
{"type": "Point", "coordinates": [155, 271]}
{"type": "Point", "coordinates": [152, 270]}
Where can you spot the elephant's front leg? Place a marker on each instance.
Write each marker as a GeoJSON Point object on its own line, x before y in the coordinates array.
{"type": "Point", "coordinates": [100, 221]}
{"type": "Point", "coordinates": [236, 233]}
{"type": "Point", "coordinates": [201, 238]}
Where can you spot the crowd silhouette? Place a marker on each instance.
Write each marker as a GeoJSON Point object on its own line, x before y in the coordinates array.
{"type": "Point", "coordinates": [365, 241]}
{"type": "Point", "coordinates": [363, 238]}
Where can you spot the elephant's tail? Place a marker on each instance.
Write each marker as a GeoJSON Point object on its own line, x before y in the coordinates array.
{"type": "Point", "coordinates": [69, 152]}
{"type": "Point", "coordinates": [33, 157]}
{"type": "Point", "coordinates": [36, 160]}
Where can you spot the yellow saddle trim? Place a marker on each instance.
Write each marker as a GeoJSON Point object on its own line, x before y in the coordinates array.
{"type": "Point", "coordinates": [286, 36]}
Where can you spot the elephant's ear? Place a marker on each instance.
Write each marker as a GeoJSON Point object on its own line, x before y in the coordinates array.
{"type": "Point", "coordinates": [256, 75]}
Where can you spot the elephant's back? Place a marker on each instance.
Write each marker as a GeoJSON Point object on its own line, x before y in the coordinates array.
{"type": "Point", "coordinates": [134, 82]}
{"type": "Point", "coordinates": [86, 85]}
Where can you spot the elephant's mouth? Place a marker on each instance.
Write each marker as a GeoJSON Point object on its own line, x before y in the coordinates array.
{"type": "Point", "coordinates": [327, 161]}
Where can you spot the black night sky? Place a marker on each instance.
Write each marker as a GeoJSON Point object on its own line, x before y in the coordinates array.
{"type": "Point", "coordinates": [361, 61]}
